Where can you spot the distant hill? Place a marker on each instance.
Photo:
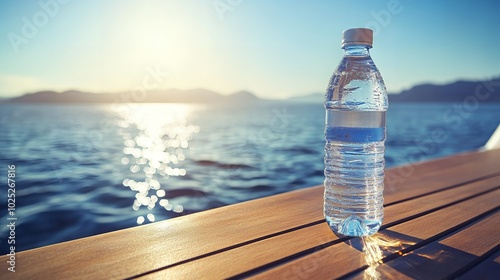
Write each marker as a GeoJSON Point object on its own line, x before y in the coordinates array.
{"type": "Point", "coordinates": [71, 96]}
{"type": "Point", "coordinates": [239, 96]}
{"type": "Point", "coordinates": [487, 91]}
{"type": "Point", "coordinates": [460, 91]}
{"type": "Point", "coordinates": [156, 96]}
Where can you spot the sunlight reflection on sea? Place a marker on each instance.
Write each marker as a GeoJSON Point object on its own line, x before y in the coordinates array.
{"type": "Point", "coordinates": [154, 150]}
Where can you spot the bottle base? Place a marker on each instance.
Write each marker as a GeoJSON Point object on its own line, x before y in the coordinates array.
{"type": "Point", "coordinates": [353, 226]}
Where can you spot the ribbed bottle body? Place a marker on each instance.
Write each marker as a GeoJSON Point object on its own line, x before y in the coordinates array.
{"type": "Point", "coordinates": [355, 133]}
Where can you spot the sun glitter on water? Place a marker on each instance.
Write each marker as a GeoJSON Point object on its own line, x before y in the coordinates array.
{"type": "Point", "coordinates": [155, 137]}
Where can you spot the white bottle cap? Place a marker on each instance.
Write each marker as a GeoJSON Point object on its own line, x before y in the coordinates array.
{"type": "Point", "coordinates": [357, 36]}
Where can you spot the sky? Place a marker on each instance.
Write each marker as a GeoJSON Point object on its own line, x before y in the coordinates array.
{"type": "Point", "coordinates": [273, 48]}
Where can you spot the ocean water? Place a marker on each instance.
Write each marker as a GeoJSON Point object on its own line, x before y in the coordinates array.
{"type": "Point", "coordinates": [88, 169]}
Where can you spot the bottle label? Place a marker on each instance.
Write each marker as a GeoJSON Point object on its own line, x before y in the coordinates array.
{"type": "Point", "coordinates": [355, 134]}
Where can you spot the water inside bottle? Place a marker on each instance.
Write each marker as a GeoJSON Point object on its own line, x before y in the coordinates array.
{"type": "Point", "coordinates": [354, 171]}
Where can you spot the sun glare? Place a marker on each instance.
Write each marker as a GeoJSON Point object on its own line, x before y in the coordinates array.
{"type": "Point", "coordinates": [151, 36]}
{"type": "Point", "coordinates": [155, 137]}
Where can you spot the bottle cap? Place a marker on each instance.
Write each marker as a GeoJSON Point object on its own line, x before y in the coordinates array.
{"type": "Point", "coordinates": [357, 36]}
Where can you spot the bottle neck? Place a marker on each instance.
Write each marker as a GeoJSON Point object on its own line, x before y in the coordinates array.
{"type": "Point", "coordinates": [357, 50]}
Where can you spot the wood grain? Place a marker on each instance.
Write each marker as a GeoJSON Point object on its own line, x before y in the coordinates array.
{"type": "Point", "coordinates": [402, 236]}
{"type": "Point", "coordinates": [442, 258]}
{"type": "Point", "coordinates": [485, 269]}
{"type": "Point", "coordinates": [439, 174]}
{"type": "Point", "coordinates": [156, 245]}
{"type": "Point", "coordinates": [292, 243]}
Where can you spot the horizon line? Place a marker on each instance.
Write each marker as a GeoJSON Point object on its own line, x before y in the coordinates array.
{"type": "Point", "coordinates": [312, 92]}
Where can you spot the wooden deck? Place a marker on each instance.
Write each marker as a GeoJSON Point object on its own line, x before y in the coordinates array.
{"type": "Point", "coordinates": [442, 220]}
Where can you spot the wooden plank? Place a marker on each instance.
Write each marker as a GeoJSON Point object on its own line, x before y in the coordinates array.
{"type": "Point", "coordinates": [178, 240]}
{"type": "Point", "coordinates": [439, 174]}
{"type": "Point", "coordinates": [265, 252]}
{"type": "Point", "coordinates": [486, 269]}
{"type": "Point", "coordinates": [453, 161]}
{"type": "Point", "coordinates": [476, 239]}
{"type": "Point", "coordinates": [238, 260]}
{"type": "Point", "coordinates": [156, 245]}
{"type": "Point", "coordinates": [442, 258]}
{"type": "Point", "coordinates": [418, 205]}
{"type": "Point", "coordinates": [408, 233]}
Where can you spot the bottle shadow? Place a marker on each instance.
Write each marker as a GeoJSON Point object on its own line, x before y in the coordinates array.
{"type": "Point", "coordinates": [390, 255]}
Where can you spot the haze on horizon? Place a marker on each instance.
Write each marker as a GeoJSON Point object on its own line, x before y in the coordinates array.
{"type": "Point", "coordinates": [275, 49]}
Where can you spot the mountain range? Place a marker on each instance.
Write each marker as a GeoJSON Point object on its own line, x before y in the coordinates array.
{"type": "Point", "coordinates": [460, 91]}
{"type": "Point", "coordinates": [154, 96]}
{"type": "Point", "coordinates": [487, 91]}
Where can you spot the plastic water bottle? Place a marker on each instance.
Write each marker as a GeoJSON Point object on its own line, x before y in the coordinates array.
{"type": "Point", "coordinates": [356, 104]}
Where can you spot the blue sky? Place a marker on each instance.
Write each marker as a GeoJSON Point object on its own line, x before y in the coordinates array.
{"type": "Point", "coordinates": [274, 48]}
